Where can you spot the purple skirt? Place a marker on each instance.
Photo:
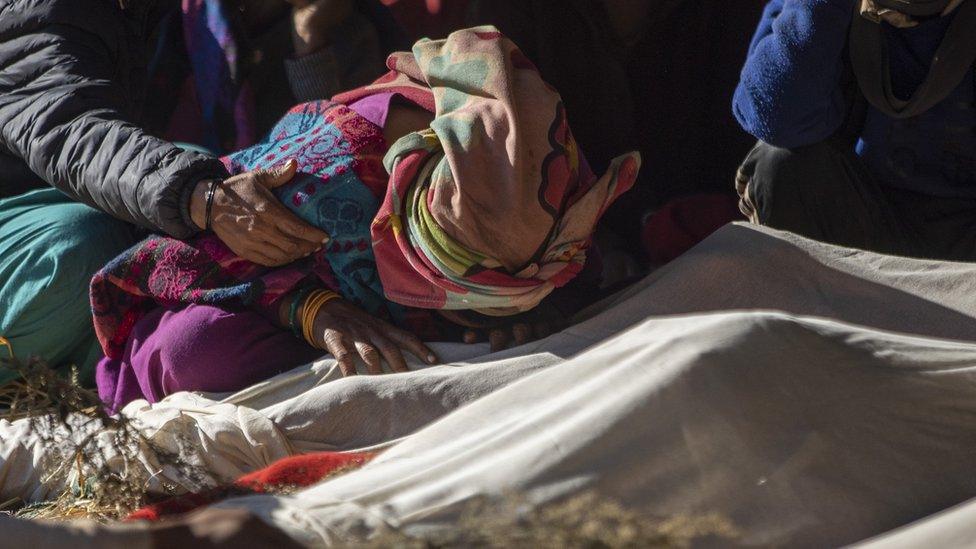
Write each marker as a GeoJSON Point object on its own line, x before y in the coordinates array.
{"type": "Point", "coordinates": [198, 348]}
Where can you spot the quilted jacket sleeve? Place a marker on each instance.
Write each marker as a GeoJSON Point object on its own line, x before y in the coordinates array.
{"type": "Point", "coordinates": [66, 110]}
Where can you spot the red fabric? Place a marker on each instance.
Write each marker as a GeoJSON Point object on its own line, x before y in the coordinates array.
{"type": "Point", "coordinates": [300, 470]}
{"type": "Point", "coordinates": [684, 222]}
{"type": "Point", "coordinates": [291, 472]}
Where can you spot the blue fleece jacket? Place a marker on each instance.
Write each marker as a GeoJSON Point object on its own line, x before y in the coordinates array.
{"type": "Point", "coordinates": [790, 95]}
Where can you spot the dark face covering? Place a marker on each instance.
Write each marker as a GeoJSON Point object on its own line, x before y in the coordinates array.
{"type": "Point", "coordinates": [953, 61]}
{"type": "Point", "coordinates": [915, 8]}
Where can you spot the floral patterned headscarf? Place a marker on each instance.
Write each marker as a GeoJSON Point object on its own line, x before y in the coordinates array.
{"type": "Point", "coordinates": [494, 205]}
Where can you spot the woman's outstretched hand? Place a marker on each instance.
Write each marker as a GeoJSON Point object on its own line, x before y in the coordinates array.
{"type": "Point", "coordinates": [503, 337]}
{"type": "Point", "coordinates": [515, 334]}
{"type": "Point", "coordinates": [248, 217]}
{"type": "Point", "coordinates": [347, 331]}
{"type": "Point", "coordinates": [502, 333]}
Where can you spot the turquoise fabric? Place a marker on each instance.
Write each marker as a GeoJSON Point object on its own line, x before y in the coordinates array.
{"type": "Point", "coordinates": [50, 247]}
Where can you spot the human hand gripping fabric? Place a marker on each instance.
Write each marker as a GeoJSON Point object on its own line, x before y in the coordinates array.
{"type": "Point", "coordinates": [345, 331]}
{"type": "Point", "coordinates": [247, 216]}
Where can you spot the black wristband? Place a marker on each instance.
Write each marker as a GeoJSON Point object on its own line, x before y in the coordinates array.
{"type": "Point", "coordinates": [210, 199]}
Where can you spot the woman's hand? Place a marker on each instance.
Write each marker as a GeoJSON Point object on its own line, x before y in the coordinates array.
{"type": "Point", "coordinates": [502, 332]}
{"type": "Point", "coordinates": [346, 331]}
{"type": "Point", "coordinates": [517, 333]}
{"type": "Point", "coordinates": [248, 217]}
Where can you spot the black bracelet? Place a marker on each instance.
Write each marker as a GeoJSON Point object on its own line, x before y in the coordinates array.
{"type": "Point", "coordinates": [210, 199]}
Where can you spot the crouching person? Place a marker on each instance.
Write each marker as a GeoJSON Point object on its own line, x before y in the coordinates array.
{"type": "Point", "coordinates": [865, 114]}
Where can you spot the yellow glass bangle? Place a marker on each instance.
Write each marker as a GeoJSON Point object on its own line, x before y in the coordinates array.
{"type": "Point", "coordinates": [308, 317]}
{"type": "Point", "coordinates": [5, 343]}
{"type": "Point", "coordinates": [313, 304]}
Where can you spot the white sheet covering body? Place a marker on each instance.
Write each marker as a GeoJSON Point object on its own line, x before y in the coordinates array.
{"type": "Point", "coordinates": [812, 394]}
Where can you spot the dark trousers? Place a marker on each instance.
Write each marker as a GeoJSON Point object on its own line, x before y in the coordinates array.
{"type": "Point", "coordinates": [825, 192]}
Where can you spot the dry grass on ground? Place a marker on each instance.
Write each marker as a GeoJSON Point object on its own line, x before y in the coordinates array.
{"type": "Point", "coordinates": [92, 454]}
{"type": "Point", "coordinates": [587, 521]}
{"type": "Point", "coordinates": [69, 420]}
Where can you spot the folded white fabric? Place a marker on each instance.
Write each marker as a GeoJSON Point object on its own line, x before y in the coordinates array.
{"type": "Point", "coordinates": [802, 432]}
{"type": "Point", "coordinates": [813, 394]}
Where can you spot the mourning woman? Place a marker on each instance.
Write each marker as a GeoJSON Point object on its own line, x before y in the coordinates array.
{"type": "Point", "coordinates": [455, 195]}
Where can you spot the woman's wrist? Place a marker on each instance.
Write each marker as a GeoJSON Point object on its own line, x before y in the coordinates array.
{"type": "Point", "coordinates": [201, 203]}
{"type": "Point", "coordinates": [310, 310]}
{"type": "Point", "coordinates": [297, 307]}
{"type": "Point", "coordinates": [299, 310]}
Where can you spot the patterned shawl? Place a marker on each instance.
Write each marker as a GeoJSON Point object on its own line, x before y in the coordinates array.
{"type": "Point", "coordinates": [493, 207]}
{"type": "Point", "coordinates": [339, 186]}
{"type": "Point", "coordinates": [490, 209]}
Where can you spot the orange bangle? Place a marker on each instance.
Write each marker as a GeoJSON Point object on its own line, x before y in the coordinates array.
{"type": "Point", "coordinates": [313, 304]}
{"type": "Point", "coordinates": [5, 343]}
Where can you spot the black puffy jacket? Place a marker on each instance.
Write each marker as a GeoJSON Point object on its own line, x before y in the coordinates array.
{"type": "Point", "coordinates": [72, 87]}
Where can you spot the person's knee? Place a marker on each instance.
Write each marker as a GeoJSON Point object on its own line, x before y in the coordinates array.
{"type": "Point", "coordinates": [206, 348]}
{"type": "Point", "coordinates": [168, 351]}
{"type": "Point", "coordinates": [51, 253]}
{"type": "Point", "coordinates": [75, 246]}
{"type": "Point", "coordinates": [72, 242]}
{"type": "Point", "coordinates": [94, 236]}
{"type": "Point", "coordinates": [185, 340]}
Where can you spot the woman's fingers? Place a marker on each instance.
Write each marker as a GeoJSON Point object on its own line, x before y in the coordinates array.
{"type": "Point", "coordinates": [294, 229]}
{"type": "Point", "coordinates": [362, 340]}
{"type": "Point", "coordinates": [289, 224]}
{"type": "Point", "coordinates": [522, 333]}
{"type": "Point", "coordinates": [391, 353]}
{"type": "Point", "coordinates": [350, 332]}
{"type": "Point", "coordinates": [471, 337]}
{"type": "Point", "coordinates": [498, 340]}
{"type": "Point", "coordinates": [340, 349]}
{"type": "Point", "coordinates": [280, 244]}
{"type": "Point", "coordinates": [260, 257]}
{"type": "Point", "coordinates": [369, 354]}
{"type": "Point", "coordinates": [410, 342]}
{"type": "Point", "coordinates": [251, 220]}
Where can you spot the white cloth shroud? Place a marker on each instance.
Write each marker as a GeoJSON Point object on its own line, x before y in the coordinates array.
{"type": "Point", "coordinates": [813, 395]}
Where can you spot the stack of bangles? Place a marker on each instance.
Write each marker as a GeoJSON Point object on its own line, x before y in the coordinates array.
{"type": "Point", "coordinates": [306, 306]}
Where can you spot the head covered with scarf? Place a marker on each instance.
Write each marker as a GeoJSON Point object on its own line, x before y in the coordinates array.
{"type": "Point", "coordinates": [493, 206]}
